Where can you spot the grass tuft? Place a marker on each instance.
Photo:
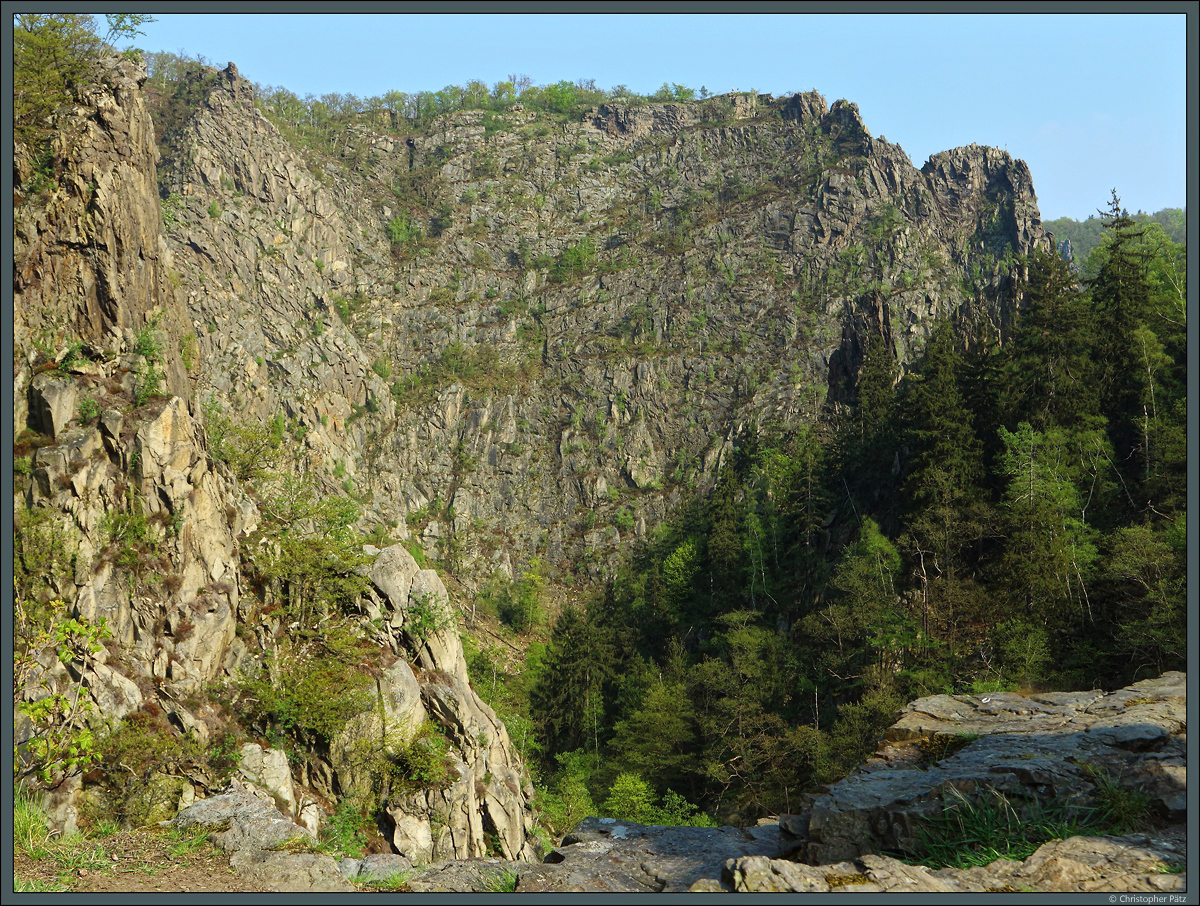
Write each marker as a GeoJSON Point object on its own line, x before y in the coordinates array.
{"type": "Point", "coordinates": [504, 881]}
{"type": "Point", "coordinates": [971, 832]}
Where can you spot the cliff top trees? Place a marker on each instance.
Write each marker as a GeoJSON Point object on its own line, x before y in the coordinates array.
{"type": "Point", "coordinates": [53, 56]}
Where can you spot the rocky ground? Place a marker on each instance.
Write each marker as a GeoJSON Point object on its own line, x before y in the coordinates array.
{"type": "Point", "coordinates": [642, 860]}
{"type": "Point", "coordinates": [1084, 748]}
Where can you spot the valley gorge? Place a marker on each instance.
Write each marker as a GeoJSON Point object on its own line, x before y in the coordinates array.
{"type": "Point", "coordinates": [282, 415]}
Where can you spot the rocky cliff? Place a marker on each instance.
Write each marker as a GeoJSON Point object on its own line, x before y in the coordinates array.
{"type": "Point", "coordinates": [126, 521]}
{"type": "Point", "coordinates": [517, 337]}
{"type": "Point", "coordinates": [504, 337]}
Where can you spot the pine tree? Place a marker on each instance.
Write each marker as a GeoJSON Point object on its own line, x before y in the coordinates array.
{"type": "Point", "coordinates": [949, 516]}
{"type": "Point", "coordinates": [1050, 376]}
{"type": "Point", "coordinates": [568, 701]}
{"type": "Point", "coordinates": [1049, 549]}
{"type": "Point", "coordinates": [1121, 299]}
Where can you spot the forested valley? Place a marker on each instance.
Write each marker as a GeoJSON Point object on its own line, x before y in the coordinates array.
{"type": "Point", "coordinates": [1003, 517]}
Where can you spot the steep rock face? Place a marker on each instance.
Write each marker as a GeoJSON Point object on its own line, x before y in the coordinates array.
{"type": "Point", "coordinates": [124, 518]}
{"type": "Point", "coordinates": [597, 310]}
{"type": "Point", "coordinates": [486, 803]}
{"type": "Point", "coordinates": [89, 263]}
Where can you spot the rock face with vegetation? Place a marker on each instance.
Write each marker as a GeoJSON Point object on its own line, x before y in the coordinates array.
{"type": "Point", "coordinates": [134, 597]}
{"type": "Point", "coordinates": [524, 339]}
{"type": "Point", "coordinates": [747, 428]}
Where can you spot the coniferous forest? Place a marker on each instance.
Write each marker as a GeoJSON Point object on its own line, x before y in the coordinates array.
{"type": "Point", "coordinates": [1004, 517]}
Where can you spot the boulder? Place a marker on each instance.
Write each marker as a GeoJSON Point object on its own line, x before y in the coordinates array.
{"type": "Point", "coordinates": [290, 872]}
{"type": "Point", "coordinates": [252, 822]}
{"type": "Point", "coordinates": [268, 769]}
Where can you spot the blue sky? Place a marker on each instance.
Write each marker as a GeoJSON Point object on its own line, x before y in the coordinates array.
{"type": "Point", "coordinates": [1091, 102]}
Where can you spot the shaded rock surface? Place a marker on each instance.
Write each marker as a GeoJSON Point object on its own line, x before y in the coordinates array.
{"type": "Point", "coordinates": [604, 855]}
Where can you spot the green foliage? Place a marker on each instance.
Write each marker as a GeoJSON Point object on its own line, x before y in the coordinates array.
{"type": "Point", "coordinates": [60, 741]}
{"type": "Point", "coordinates": [566, 799]}
{"type": "Point", "coordinates": [382, 367]}
{"type": "Point", "coordinates": [43, 559]}
{"type": "Point", "coordinates": [503, 881]}
{"type": "Point", "coordinates": [312, 553]}
{"type": "Point", "coordinates": [187, 350]}
{"type": "Point", "coordinates": [519, 603]}
{"type": "Point", "coordinates": [70, 358]}
{"type": "Point", "coordinates": [427, 615]}
{"type": "Point", "coordinates": [143, 761]}
{"type": "Point", "coordinates": [347, 831]}
{"type": "Point", "coordinates": [251, 453]}
{"type": "Point", "coordinates": [1049, 553]}
{"type": "Point", "coordinates": [1146, 570]}
{"type": "Point", "coordinates": [170, 205]}
{"type": "Point", "coordinates": [939, 746]}
{"type": "Point", "coordinates": [422, 763]}
{"type": "Point", "coordinates": [476, 367]}
{"type": "Point", "coordinates": [148, 386]}
{"type": "Point", "coordinates": [70, 855]}
{"type": "Point", "coordinates": [1023, 649]}
{"type": "Point", "coordinates": [404, 233]}
{"type": "Point", "coordinates": [31, 826]}
{"type": "Point", "coordinates": [1120, 809]}
{"type": "Point", "coordinates": [631, 799]}
{"type": "Point", "coordinates": [313, 683]}
{"type": "Point", "coordinates": [214, 210]}
{"type": "Point", "coordinates": [147, 342]}
{"type": "Point", "coordinates": [574, 261]}
{"type": "Point", "coordinates": [54, 57]}
{"type": "Point", "coordinates": [1086, 235]}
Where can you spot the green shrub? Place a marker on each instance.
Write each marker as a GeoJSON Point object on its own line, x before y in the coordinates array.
{"type": "Point", "coordinates": [418, 553]}
{"type": "Point", "coordinates": [149, 385]}
{"type": "Point", "coordinates": [147, 342]}
{"type": "Point", "coordinates": [88, 409]}
{"type": "Point", "coordinates": [382, 367]}
{"type": "Point", "coordinates": [403, 232]}
{"type": "Point", "coordinates": [143, 760]}
{"type": "Point", "coordinates": [427, 615]}
{"type": "Point", "coordinates": [250, 452]}
{"type": "Point", "coordinates": [573, 261]}
{"type": "Point", "coordinates": [631, 799]}
{"type": "Point", "coordinates": [423, 763]}
{"type": "Point", "coordinates": [321, 691]}
{"type": "Point", "coordinates": [187, 349]}
{"type": "Point", "coordinates": [348, 829]}
{"type": "Point", "coordinates": [519, 604]}
{"type": "Point", "coordinates": [171, 206]}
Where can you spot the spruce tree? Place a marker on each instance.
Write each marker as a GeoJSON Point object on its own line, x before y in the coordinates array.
{"type": "Point", "coordinates": [1121, 299]}
{"type": "Point", "coordinates": [942, 485]}
{"type": "Point", "coordinates": [1050, 373]}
